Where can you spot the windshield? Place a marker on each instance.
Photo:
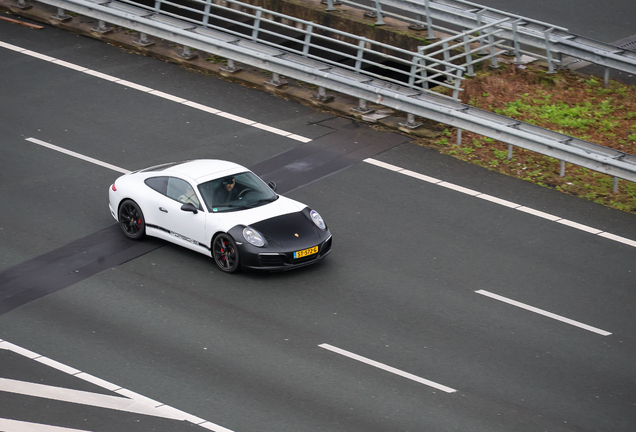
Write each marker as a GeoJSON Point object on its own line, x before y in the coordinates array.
{"type": "Point", "coordinates": [236, 192]}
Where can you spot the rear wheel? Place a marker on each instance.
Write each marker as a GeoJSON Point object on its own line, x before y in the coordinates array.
{"type": "Point", "coordinates": [131, 220]}
{"type": "Point", "coordinates": [225, 253]}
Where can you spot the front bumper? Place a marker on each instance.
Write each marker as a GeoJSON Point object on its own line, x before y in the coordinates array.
{"type": "Point", "coordinates": [257, 259]}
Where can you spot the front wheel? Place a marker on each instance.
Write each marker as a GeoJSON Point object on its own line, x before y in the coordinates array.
{"type": "Point", "coordinates": [131, 220]}
{"type": "Point", "coordinates": [225, 253]}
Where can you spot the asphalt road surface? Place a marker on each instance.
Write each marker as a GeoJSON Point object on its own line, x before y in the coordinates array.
{"type": "Point", "coordinates": [455, 299]}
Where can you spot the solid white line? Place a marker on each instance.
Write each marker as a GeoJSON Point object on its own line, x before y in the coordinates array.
{"type": "Point", "coordinates": [544, 313]}
{"type": "Point", "coordinates": [145, 89]}
{"type": "Point", "coordinates": [387, 368]}
{"type": "Point", "coordinates": [7, 425]}
{"type": "Point", "coordinates": [502, 202]}
{"type": "Point", "coordinates": [77, 155]}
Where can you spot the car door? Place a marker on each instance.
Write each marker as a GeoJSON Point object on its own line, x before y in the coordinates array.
{"type": "Point", "coordinates": [183, 227]}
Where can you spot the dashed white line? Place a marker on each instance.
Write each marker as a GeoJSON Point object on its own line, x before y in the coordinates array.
{"type": "Point", "coordinates": [387, 368]}
{"type": "Point", "coordinates": [77, 155]}
{"type": "Point", "coordinates": [502, 202]}
{"type": "Point", "coordinates": [149, 90]}
{"type": "Point", "coordinates": [543, 312]}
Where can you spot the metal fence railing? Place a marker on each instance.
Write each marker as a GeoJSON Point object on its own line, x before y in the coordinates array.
{"type": "Point", "coordinates": [543, 40]}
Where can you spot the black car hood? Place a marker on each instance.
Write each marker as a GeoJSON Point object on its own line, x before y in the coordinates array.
{"type": "Point", "coordinates": [290, 231]}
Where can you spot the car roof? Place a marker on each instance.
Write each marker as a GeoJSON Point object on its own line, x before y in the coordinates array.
{"type": "Point", "coordinates": [200, 168]}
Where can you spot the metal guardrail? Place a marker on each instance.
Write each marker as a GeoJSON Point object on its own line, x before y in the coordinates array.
{"type": "Point", "coordinates": [278, 34]}
{"type": "Point", "coordinates": [300, 65]}
{"type": "Point", "coordinates": [520, 30]}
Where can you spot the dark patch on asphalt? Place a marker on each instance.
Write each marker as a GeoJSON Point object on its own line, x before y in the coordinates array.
{"type": "Point", "coordinates": [349, 143]}
{"type": "Point", "coordinates": [68, 265]}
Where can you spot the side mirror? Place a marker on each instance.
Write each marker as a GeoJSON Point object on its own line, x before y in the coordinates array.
{"type": "Point", "coordinates": [189, 207]}
{"type": "Point", "coordinates": [272, 185]}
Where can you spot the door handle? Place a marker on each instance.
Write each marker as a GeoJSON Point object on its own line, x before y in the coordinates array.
{"type": "Point", "coordinates": [163, 210]}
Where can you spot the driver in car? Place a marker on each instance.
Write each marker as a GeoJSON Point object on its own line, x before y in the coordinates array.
{"type": "Point", "coordinates": [225, 192]}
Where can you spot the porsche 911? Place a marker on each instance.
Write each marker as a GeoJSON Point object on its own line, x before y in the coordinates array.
{"type": "Point", "coordinates": [220, 209]}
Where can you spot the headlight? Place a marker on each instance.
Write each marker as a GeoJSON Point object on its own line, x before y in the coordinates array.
{"type": "Point", "coordinates": [253, 237]}
{"type": "Point", "coordinates": [318, 220]}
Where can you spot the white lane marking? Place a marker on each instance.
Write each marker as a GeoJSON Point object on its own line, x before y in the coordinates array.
{"type": "Point", "coordinates": [77, 155]}
{"type": "Point", "coordinates": [544, 313]}
{"type": "Point", "coordinates": [503, 202]}
{"type": "Point", "coordinates": [129, 402]}
{"type": "Point", "coordinates": [82, 397]}
{"type": "Point", "coordinates": [387, 368]}
{"type": "Point", "coordinates": [145, 89]}
{"type": "Point", "coordinates": [7, 425]}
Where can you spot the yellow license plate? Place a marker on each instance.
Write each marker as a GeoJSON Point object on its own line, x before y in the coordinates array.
{"type": "Point", "coordinates": [306, 252]}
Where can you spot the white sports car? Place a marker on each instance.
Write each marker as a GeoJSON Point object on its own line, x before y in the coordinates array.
{"type": "Point", "coordinates": [222, 210]}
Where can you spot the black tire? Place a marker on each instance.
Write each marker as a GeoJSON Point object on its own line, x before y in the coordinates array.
{"type": "Point", "coordinates": [225, 253]}
{"type": "Point", "coordinates": [131, 220]}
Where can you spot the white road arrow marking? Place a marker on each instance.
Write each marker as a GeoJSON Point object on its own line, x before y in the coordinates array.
{"type": "Point", "coordinates": [7, 425]}
{"type": "Point", "coordinates": [129, 401]}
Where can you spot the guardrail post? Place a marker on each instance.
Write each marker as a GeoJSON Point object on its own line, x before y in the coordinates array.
{"type": "Point", "coordinates": [257, 24]}
{"type": "Point", "coordinates": [231, 67]}
{"type": "Point", "coordinates": [562, 169]}
{"type": "Point", "coordinates": [143, 40]}
{"type": "Point", "coordinates": [459, 137]}
{"type": "Point", "coordinates": [469, 57]}
{"type": "Point", "coordinates": [187, 54]}
{"type": "Point", "coordinates": [606, 77]}
{"type": "Point", "coordinates": [615, 188]}
{"type": "Point", "coordinates": [307, 41]}
{"type": "Point", "coordinates": [510, 149]}
{"type": "Point", "coordinates": [359, 55]}
{"type": "Point", "coordinates": [419, 65]}
{"type": "Point", "coordinates": [22, 5]}
{"type": "Point", "coordinates": [410, 122]}
{"type": "Point", "coordinates": [102, 27]}
{"type": "Point", "coordinates": [458, 84]}
{"type": "Point", "coordinates": [276, 80]}
{"type": "Point", "coordinates": [61, 15]}
{"type": "Point", "coordinates": [377, 14]}
{"type": "Point", "coordinates": [322, 95]}
{"type": "Point", "coordinates": [493, 49]}
{"type": "Point", "coordinates": [548, 49]}
{"type": "Point", "coordinates": [515, 41]}
{"type": "Point", "coordinates": [362, 107]}
{"type": "Point", "coordinates": [330, 4]}
{"type": "Point", "coordinates": [157, 6]}
{"type": "Point", "coordinates": [206, 13]}
{"type": "Point", "coordinates": [481, 40]}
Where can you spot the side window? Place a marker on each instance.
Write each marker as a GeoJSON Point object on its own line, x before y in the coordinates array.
{"type": "Point", "coordinates": [181, 191]}
{"type": "Point", "coordinates": [160, 184]}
